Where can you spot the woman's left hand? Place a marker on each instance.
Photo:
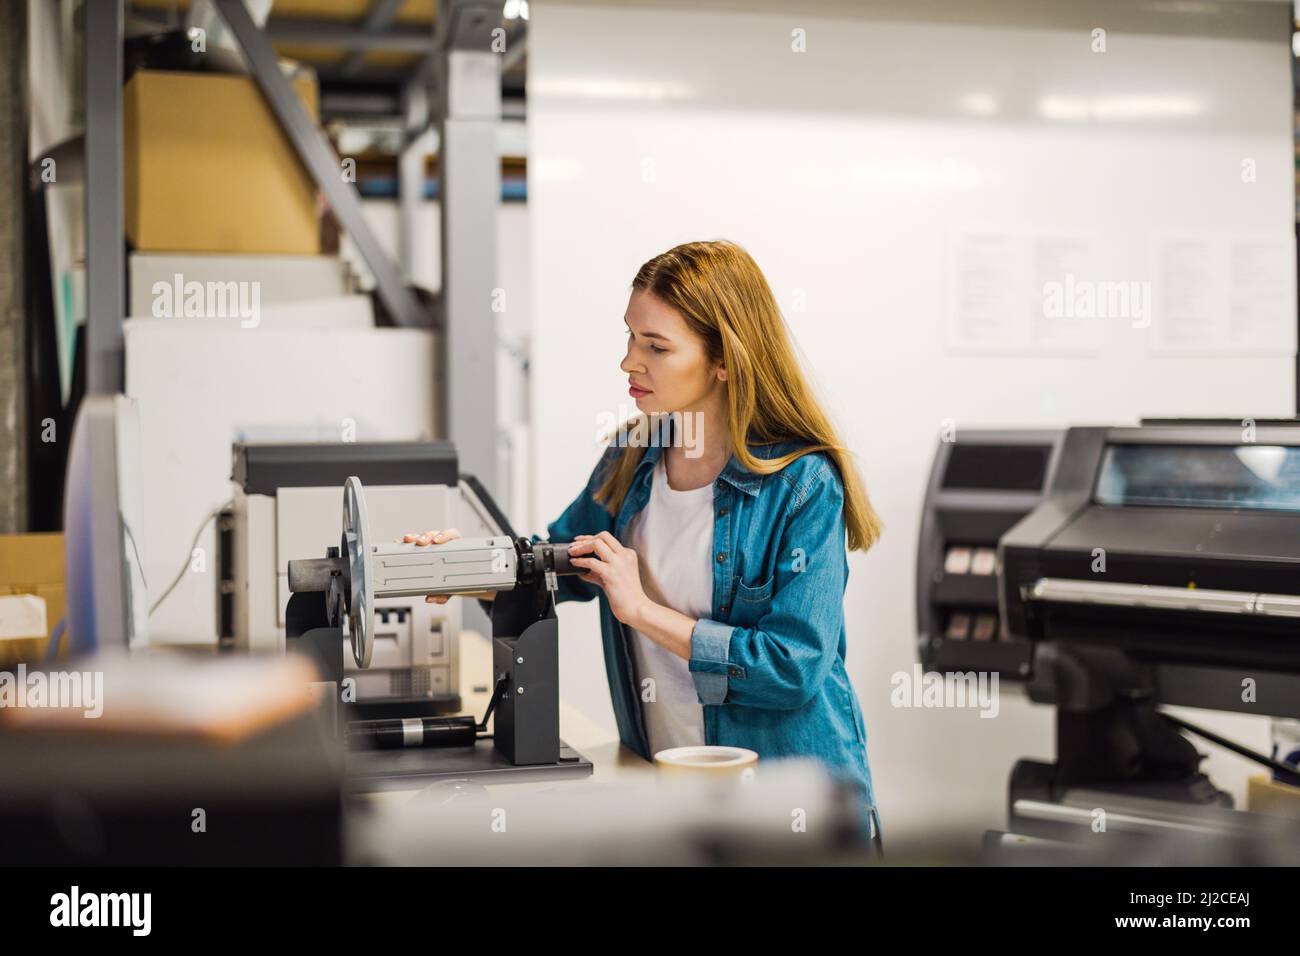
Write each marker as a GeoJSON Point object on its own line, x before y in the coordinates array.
{"type": "Point", "coordinates": [614, 568]}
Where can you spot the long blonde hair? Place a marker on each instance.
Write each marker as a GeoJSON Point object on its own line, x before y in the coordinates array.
{"type": "Point", "coordinates": [719, 290]}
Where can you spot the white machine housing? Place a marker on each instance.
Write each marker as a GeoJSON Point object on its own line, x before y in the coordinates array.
{"type": "Point", "coordinates": [416, 644]}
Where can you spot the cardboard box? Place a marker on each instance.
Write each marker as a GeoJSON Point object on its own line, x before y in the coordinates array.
{"type": "Point", "coordinates": [1266, 795]}
{"type": "Point", "coordinates": [31, 559]}
{"type": "Point", "coordinates": [33, 564]}
{"type": "Point", "coordinates": [208, 168]}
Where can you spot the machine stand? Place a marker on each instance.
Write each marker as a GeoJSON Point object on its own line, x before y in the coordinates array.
{"type": "Point", "coordinates": [309, 632]}
{"type": "Point", "coordinates": [525, 744]}
{"type": "Point", "coordinates": [1125, 741]}
{"type": "Point", "coordinates": [527, 728]}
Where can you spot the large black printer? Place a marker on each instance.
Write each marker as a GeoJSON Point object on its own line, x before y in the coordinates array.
{"type": "Point", "coordinates": [1134, 567]}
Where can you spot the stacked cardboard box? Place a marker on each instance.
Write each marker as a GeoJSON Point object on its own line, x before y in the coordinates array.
{"type": "Point", "coordinates": [209, 169]}
{"type": "Point", "coordinates": [32, 595]}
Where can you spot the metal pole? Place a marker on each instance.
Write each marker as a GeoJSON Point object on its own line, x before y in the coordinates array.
{"type": "Point", "coordinates": [410, 167]}
{"type": "Point", "coordinates": [320, 162]}
{"type": "Point", "coordinates": [105, 243]}
{"type": "Point", "coordinates": [469, 167]}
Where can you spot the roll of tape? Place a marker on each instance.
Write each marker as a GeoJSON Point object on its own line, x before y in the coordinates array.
{"type": "Point", "coordinates": [712, 761]}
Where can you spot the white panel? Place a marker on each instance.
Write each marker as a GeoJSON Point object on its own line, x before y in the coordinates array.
{"type": "Point", "coordinates": [281, 279]}
{"type": "Point", "coordinates": [202, 385]}
{"type": "Point", "coordinates": [256, 614]}
{"type": "Point", "coordinates": [849, 171]}
{"type": "Point", "coordinates": [353, 313]}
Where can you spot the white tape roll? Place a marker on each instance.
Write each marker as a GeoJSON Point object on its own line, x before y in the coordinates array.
{"type": "Point", "coordinates": [715, 761]}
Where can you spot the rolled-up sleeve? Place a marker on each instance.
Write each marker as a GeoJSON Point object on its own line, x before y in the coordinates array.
{"type": "Point", "coordinates": [783, 660]}
{"type": "Point", "coordinates": [710, 649]}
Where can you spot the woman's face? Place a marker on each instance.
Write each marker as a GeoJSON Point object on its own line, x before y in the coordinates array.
{"type": "Point", "coordinates": [667, 366]}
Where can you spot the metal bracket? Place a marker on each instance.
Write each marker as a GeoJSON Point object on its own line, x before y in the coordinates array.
{"type": "Point", "coordinates": [467, 24]}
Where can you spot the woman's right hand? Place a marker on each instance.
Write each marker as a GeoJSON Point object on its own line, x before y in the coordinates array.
{"type": "Point", "coordinates": [440, 537]}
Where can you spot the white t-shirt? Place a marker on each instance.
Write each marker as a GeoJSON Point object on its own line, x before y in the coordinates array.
{"type": "Point", "coordinates": [673, 538]}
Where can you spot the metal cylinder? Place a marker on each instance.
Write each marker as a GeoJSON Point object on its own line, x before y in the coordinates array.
{"type": "Point", "coordinates": [562, 563]}
{"type": "Point", "coordinates": [395, 733]}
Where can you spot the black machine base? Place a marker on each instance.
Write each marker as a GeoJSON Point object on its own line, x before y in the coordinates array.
{"type": "Point", "coordinates": [1124, 749]}
{"type": "Point", "coordinates": [1037, 780]}
{"type": "Point", "coordinates": [1111, 739]}
{"type": "Point", "coordinates": [414, 767]}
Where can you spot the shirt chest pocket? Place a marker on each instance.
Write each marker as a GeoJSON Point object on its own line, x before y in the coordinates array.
{"type": "Point", "coordinates": [751, 602]}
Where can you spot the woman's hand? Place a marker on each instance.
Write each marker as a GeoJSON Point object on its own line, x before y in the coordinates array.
{"type": "Point", "coordinates": [440, 537]}
{"type": "Point", "coordinates": [614, 568]}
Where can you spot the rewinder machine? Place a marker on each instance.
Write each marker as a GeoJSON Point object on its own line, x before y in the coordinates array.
{"type": "Point", "coordinates": [338, 592]}
{"type": "Point", "coordinates": [285, 504]}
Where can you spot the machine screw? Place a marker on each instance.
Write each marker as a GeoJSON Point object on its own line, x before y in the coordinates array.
{"type": "Point", "coordinates": [519, 690]}
{"type": "Point", "coordinates": [519, 660]}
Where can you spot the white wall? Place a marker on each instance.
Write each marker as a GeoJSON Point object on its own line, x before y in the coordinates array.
{"type": "Point", "coordinates": [514, 323]}
{"type": "Point", "coordinates": [849, 171]}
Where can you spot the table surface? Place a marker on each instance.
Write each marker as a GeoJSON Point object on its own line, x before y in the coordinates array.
{"type": "Point", "coordinates": [611, 761]}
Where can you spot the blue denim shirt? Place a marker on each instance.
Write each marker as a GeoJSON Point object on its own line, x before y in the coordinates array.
{"type": "Point", "coordinates": [768, 664]}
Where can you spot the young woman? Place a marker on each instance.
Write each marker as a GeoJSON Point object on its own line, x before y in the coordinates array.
{"type": "Point", "coordinates": [717, 545]}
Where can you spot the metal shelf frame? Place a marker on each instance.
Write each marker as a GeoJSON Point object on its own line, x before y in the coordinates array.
{"type": "Point", "coordinates": [457, 88]}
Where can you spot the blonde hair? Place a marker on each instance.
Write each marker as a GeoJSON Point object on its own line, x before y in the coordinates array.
{"type": "Point", "coordinates": [720, 292]}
